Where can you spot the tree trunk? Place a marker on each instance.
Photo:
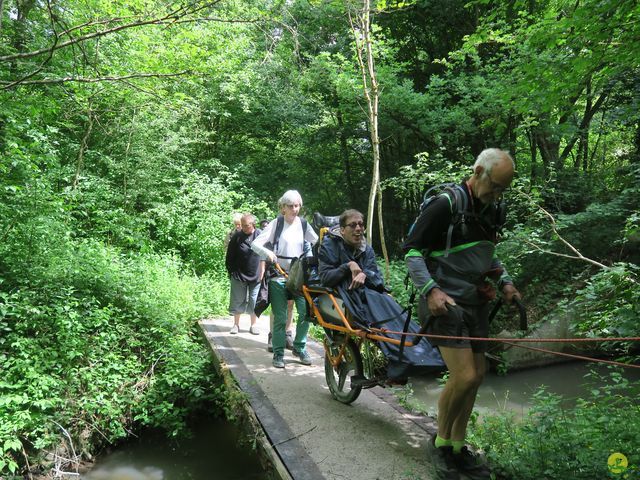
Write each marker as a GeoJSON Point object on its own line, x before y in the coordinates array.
{"type": "Point", "coordinates": [1, 13]}
{"type": "Point", "coordinates": [362, 36]}
{"type": "Point", "coordinates": [635, 158]}
{"type": "Point", "coordinates": [549, 151]}
{"type": "Point", "coordinates": [591, 108]}
{"type": "Point", "coordinates": [125, 175]}
{"type": "Point", "coordinates": [513, 136]}
{"type": "Point", "coordinates": [344, 153]}
{"type": "Point", "coordinates": [371, 94]}
{"type": "Point", "coordinates": [23, 7]}
{"type": "Point", "coordinates": [383, 243]}
{"type": "Point", "coordinates": [533, 151]}
{"type": "Point", "coordinates": [585, 151]}
{"type": "Point", "coordinates": [83, 147]}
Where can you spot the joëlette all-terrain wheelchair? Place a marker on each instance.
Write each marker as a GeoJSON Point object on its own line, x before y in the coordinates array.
{"type": "Point", "coordinates": [362, 354]}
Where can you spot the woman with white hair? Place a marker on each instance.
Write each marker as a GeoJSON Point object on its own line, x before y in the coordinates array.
{"type": "Point", "coordinates": [282, 240]}
{"type": "Point", "coordinates": [235, 218]}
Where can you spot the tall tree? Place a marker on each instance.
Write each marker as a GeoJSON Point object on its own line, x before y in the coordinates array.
{"type": "Point", "coordinates": [360, 21]}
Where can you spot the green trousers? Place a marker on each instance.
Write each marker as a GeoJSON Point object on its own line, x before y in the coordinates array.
{"type": "Point", "coordinates": [278, 297]}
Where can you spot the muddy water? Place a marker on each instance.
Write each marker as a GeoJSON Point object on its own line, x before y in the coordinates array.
{"type": "Point", "coordinates": [213, 453]}
{"type": "Point", "coordinates": [515, 390]}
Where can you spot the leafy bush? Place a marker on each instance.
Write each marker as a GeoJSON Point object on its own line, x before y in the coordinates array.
{"type": "Point", "coordinates": [396, 283]}
{"type": "Point", "coordinates": [196, 222]}
{"type": "Point", "coordinates": [609, 306]}
{"type": "Point", "coordinates": [95, 342]}
{"type": "Point", "coordinates": [101, 212]}
{"type": "Point", "coordinates": [554, 441]}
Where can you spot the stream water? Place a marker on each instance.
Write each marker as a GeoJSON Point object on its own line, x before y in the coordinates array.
{"type": "Point", "coordinates": [514, 391]}
{"type": "Point", "coordinates": [212, 453]}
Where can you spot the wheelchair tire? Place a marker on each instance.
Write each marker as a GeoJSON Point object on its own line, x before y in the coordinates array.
{"type": "Point", "coordinates": [339, 378]}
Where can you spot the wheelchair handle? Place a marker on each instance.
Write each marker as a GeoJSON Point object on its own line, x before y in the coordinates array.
{"type": "Point", "coordinates": [521, 311]}
{"type": "Point", "coordinates": [280, 269]}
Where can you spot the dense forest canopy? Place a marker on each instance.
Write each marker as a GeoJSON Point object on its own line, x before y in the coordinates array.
{"type": "Point", "coordinates": [130, 132]}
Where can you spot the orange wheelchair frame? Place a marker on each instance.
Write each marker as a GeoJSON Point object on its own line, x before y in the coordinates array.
{"type": "Point", "coordinates": [352, 360]}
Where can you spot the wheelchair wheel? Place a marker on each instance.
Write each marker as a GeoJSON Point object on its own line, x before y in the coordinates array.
{"type": "Point", "coordinates": [339, 378]}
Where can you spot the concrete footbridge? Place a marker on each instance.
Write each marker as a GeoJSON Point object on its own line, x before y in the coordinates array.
{"type": "Point", "coordinates": [300, 431]}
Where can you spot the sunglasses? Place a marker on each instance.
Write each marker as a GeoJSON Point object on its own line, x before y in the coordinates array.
{"type": "Point", "coordinates": [355, 224]}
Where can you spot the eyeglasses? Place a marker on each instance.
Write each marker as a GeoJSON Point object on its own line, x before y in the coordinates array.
{"type": "Point", "coordinates": [353, 225]}
{"type": "Point", "coordinates": [496, 187]}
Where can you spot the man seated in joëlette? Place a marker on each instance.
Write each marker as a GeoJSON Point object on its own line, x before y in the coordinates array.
{"type": "Point", "coordinates": [345, 258]}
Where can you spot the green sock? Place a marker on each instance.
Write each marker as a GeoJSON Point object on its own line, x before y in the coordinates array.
{"type": "Point", "coordinates": [457, 445]}
{"type": "Point", "coordinates": [441, 442]}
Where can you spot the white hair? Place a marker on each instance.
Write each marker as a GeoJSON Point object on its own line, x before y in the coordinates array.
{"type": "Point", "coordinates": [289, 198]}
{"type": "Point", "coordinates": [236, 217]}
{"type": "Point", "coordinates": [250, 218]}
{"type": "Point", "coordinates": [490, 157]}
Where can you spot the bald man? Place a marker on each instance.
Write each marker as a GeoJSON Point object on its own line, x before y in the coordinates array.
{"type": "Point", "coordinates": [450, 254]}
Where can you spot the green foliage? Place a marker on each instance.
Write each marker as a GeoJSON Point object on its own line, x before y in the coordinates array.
{"type": "Point", "coordinates": [93, 339]}
{"type": "Point", "coordinates": [196, 222]}
{"type": "Point", "coordinates": [632, 228]}
{"type": "Point", "coordinates": [609, 306]}
{"type": "Point", "coordinates": [537, 257]}
{"type": "Point", "coordinates": [113, 194]}
{"type": "Point", "coordinates": [100, 340]}
{"type": "Point", "coordinates": [397, 281]}
{"type": "Point", "coordinates": [413, 180]}
{"type": "Point", "coordinates": [405, 397]}
{"type": "Point", "coordinates": [554, 441]}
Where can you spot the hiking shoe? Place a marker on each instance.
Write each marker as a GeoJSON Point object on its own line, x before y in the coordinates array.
{"type": "Point", "coordinates": [254, 330]}
{"type": "Point", "coordinates": [235, 329]}
{"type": "Point", "coordinates": [304, 357]}
{"type": "Point", "coordinates": [471, 464]}
{"type": "Point", "coordinates": [288, 340]}
{"type": "Point", "coordinates": [278, 361]}
{"type": "Point", "coordinates": [442, 461]}
{"type": "Point", "coordinates": [269, 344]}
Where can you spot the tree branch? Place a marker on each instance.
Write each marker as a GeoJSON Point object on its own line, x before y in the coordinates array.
{"type": "Point", "coordinates": [554, 227]}
{"type": "Point", "coordinates": [93, 80]}
{"type": "Point", "coordinates": [564, 255]}
{"type": "Point", "coordinates": [174, 15]}
{"type": "Point", "coordinates": [45, 61]}
{"type": "Point", "coordinates": [586, 120]}
{"type": "Point", "coordinates": [208, 19]}
{"type": "Point", "coordinates": [83, 147]}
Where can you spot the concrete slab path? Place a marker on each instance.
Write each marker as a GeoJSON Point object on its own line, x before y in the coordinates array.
{"type": "Point", "coordinates": [314, 436]}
